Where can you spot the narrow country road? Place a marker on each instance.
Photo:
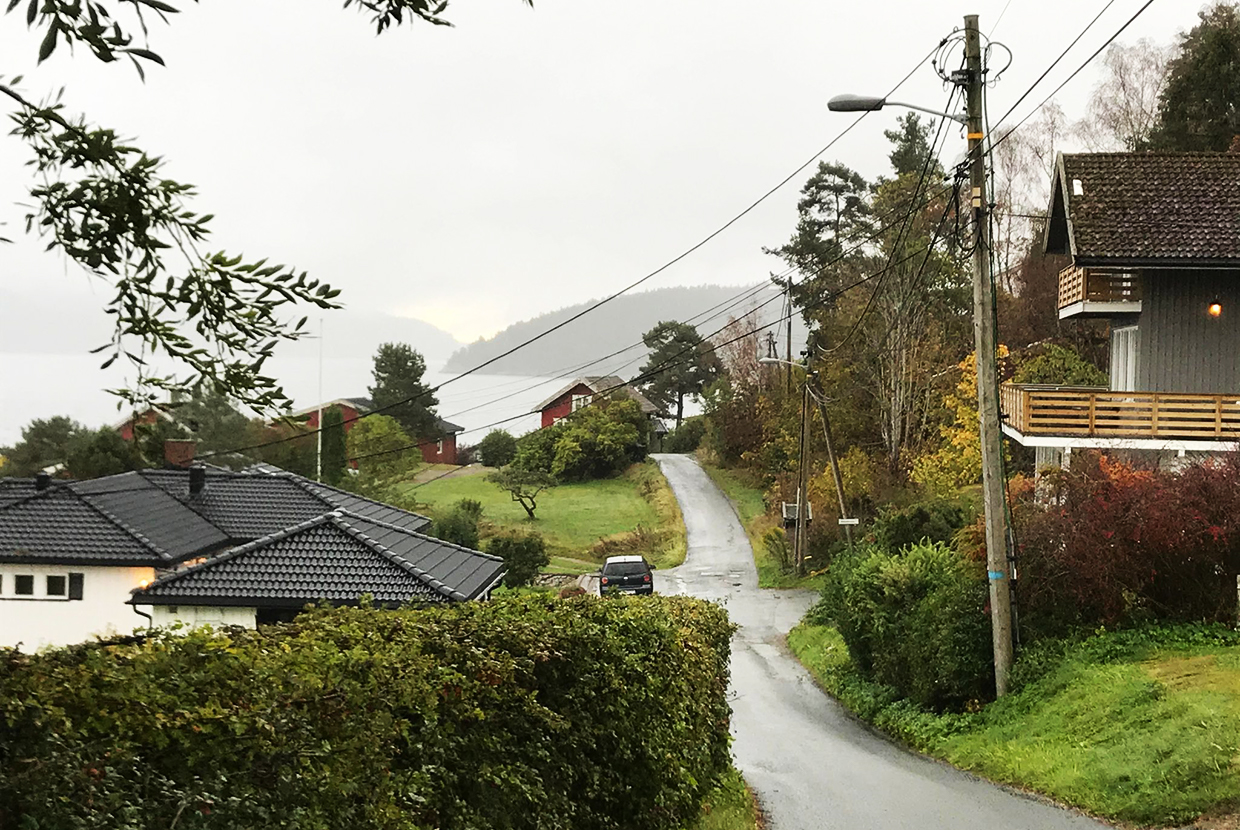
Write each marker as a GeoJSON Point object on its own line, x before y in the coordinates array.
{"type": "Point", "coordinates": [812, 765]}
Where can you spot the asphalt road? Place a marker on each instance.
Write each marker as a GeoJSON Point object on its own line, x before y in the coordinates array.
{"type": "Point", "coordinates": [812, 765]}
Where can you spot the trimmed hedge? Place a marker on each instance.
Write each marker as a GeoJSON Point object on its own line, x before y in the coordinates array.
{"type": "Point", "coordinates": [915, 621]}
{"type": "Point", "coordinates": [527, 712]}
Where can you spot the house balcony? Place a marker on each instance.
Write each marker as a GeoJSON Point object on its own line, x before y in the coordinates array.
{"type": "Point", "coordinates": [1097, 292]}
{"type": "Point", "coordinates": [1088, 417]}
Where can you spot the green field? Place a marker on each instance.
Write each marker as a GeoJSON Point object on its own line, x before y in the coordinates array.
{"type": "Point", "coordinates": [1135, 727]}
{"type": "Point", "coordinates": [574, 517]}
{"type": "Point", "coordinates": [748, 500]}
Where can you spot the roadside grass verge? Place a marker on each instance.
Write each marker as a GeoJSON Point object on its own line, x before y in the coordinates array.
{"type": "Point", "coordinates": [730, 806]}
{"type": "Point", "coordinates": [632, 513]}
{"type": "Point", "coordinates": [1137, 726]}
{"type": "Point", "coordinates": [750, 505]}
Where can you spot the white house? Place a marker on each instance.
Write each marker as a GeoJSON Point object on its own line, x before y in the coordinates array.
{"type": "Point", "coordinates": [208, 545]}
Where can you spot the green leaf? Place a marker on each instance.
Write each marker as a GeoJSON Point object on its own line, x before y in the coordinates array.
{"type": "Point", "coordinates": [49, 43]}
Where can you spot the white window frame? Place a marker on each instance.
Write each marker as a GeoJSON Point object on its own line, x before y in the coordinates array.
{"type": "Point", "coordinates": [581, 401]}
{"type": "Point", "coordinates": [1125, 350]}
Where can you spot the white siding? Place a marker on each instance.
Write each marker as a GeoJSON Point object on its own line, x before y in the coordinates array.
{"type": "Point", "coordinates": [196, 615]}
{"type": "Point", "coordinates": [40, 620]}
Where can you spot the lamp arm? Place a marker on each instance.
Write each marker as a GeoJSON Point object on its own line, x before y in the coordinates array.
{"type": "Point", "coordinates": [958, 117]}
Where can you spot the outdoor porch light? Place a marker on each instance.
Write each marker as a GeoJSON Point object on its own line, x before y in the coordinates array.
{"type": "Point", "coordinates": [1215, 309]}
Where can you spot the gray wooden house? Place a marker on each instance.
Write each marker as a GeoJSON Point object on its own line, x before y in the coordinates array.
{"type": "Point", "coordinates": [1155, 245]}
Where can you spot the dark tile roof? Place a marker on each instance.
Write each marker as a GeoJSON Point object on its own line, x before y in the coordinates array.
{"type": "Point", "coordinates": [1181, 208]}
{"type": "Point", "coordinates": [339, 557]}
{"type": "Point", "coordinates": [57, 525]}
{"type": "Point", "coordinates": [447, 427]}
{"type": "Point", "coordinates": [150, 516]}
{"type": "Point", "coordinates": [15, 489]}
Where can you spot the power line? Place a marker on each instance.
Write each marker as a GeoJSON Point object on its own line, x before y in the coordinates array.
{"type": "Point", "coordinates": [632, 285]}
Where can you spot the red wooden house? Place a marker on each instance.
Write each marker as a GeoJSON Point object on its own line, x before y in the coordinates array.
{"type": "Point", "coordinates": [436, 449]}
{"type": "Point", "coordinates": [581, 392]}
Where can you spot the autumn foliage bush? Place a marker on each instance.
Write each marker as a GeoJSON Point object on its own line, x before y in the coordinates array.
{"type": "Point", "coordinates": [1104, 543]}
{"type": "Point", "coordinates": [475, 716]}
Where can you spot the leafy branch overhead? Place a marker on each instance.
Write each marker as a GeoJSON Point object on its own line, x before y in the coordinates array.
{"type": "Point", "coordinates": [89, 23]}
{"type": "Point", "coordinates": [106, 205]}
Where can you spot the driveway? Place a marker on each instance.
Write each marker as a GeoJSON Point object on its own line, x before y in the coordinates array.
{"type": "Point", "coordinates": [812, 765]}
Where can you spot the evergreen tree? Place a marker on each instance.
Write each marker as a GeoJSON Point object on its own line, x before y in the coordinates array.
{"type": "Point", "coordinates": [685, 364]}
{"type": "Point", "coordinates": [335, 457]}
{"type": "Point", "coordinates": [1200, 106]}
{"type": "Point", "coordinates": [398, 371]}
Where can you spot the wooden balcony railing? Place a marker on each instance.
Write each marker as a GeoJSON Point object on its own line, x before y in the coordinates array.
{"type": "Point", "coordinates": [1058, 410]}
{"type": "Point", "coordinates": [1090, 285]}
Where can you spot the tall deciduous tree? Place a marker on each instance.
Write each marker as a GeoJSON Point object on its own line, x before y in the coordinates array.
{"type": "Point", "coordinates": [684, 363]}
{"type": "Point", "coordinates": [101, 453]}
{"type": "Point", "coordinates": [1123, 108]}
{"type": "Point", "coordinates": [382, 449]}
{"type": "Point", "coordinates": [1200, 106]}
{"type": "Point", "coordinates": [398, 371]}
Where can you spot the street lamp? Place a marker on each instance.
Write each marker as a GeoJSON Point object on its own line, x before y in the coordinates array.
{"type": "Point", "coordinates": [999, 568]}
{"type": "Point", "coordinates": [865, 103]}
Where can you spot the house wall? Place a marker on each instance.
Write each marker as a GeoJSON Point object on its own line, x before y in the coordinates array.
{"type": "Point", "coordinates": [347, 412]}
{"type": "Point", "coordinates": [55, 621]}
{"type": "Point", "coordinates": [196, 615]}
{"type": "Point", "coordinates": [562, 407]}
{"type": "Point", "coordinates": [1181, 348]}
{"type": "Point", "coordinates": [441, 452]}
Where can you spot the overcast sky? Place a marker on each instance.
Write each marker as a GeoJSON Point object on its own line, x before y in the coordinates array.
{"type": "Point", "coordinates": [521, 161]}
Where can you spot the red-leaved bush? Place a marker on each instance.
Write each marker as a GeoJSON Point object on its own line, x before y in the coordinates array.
{"type": "Point", "coordinates": [1105, 544]}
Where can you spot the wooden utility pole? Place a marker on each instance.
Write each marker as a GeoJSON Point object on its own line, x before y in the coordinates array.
{"type": "Point", "coordinates": [835, 466]}
{"type": "Point", "coordinates": [997, 563]}
{"type": "Point", "coordinates": [798, 542]}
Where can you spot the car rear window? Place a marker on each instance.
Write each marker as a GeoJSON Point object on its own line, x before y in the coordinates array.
{"type": "Point", "coordinates": [624, 568]}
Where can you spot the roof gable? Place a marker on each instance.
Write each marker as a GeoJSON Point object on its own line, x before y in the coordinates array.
{"type": "Point", "coordinates": [602, 383]}
{"type": "Point", "coordinates": [338, 557]}
{"type": "Point", "coordinates": [1146, 208]}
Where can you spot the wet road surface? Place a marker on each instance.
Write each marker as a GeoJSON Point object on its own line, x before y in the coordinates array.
{"type": "Point", "coordinates": [811, 764]}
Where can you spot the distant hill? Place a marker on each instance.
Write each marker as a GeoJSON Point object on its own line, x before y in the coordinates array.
{"type": "Point", "coordinates": [618, 324]}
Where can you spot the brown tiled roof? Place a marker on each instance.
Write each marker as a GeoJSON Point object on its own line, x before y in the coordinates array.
{"type": "Point", "coordinates": [1177, 207]}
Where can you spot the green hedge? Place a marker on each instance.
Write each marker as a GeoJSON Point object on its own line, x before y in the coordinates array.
{"type": "Point", "coordinates": [913, 620]}
{"type": "Point", "coordinates": [523, 713]}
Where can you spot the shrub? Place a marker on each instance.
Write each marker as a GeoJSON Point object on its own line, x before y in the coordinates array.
{"type": "Point", "coordinates": [477, 715]}
{"type": "Point", "coordinates": [460, 524]}
{"type": "Point", "coordinates": [523, 554]}
{"type": "Point", "coordinates": [1105, 544]}
{"type": "Point", "coordinates": [938, 520]}
{"type": "Point", "coordinates": [1061, 366]}
{"type": "Point", "coordinates": [497, 449]}
{"type": "Point", "coordinates": [915, 621]}
{"type": "Point", "coordinates": [688, 437]}
{"type": "Point", "coordinates": [594, 442]}
{"type": "Point", "coordinates": [778, 548]}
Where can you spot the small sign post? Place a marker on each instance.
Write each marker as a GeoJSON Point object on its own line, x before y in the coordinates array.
{"type": "Point", "coordinates": [850, 521]}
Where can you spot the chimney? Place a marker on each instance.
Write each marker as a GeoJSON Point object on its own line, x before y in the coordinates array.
{"type": "Point", "coordinates": [42, 481]}
{"type": "Point", "coordinates": [179, 452]}
{"type": "Point", "coordinates": [197, 479]}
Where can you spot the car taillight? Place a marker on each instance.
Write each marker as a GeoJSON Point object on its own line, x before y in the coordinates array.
{"type": "Point", "coordinates": [646, 578]}
{"type": "Point", "coordinates": [603, 580]}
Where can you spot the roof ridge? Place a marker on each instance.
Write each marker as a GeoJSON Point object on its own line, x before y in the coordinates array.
{"type": "Point", "coordinates": [116, 520]}
{"type": "Point", "coordinates": [344, 511]}
{"type": "Point", "coordinates": [440, 587]}
{"type": "Point", "coordinates": [240, 550]}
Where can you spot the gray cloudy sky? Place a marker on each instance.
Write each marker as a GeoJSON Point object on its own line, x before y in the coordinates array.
{"type": "Point", "coordinates": [521, 161]}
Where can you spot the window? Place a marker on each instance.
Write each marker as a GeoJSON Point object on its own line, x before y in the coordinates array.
{"type": "Point", "coordinates": [23, 585]}
{"type": "Point", "coordinates": [581, 400]}
{"type": "Point", "coordinates": [440, 448]}
{"type": "Point", "coordinates": [75, 586]}
{"type": "Point", "coordinates": [56, 586]}
{"type": "Point", "coordinates": [1124, 350]}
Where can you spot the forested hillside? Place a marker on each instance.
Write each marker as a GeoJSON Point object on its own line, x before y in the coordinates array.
{"type": "Point", "coordinates": [620, 323]}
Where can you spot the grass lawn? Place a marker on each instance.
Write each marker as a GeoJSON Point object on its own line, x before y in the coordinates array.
{"type": "Point", "coordinates": [730, 806]}
{"type": "Point", "coordinates": [748, 501]}
{"type": "Point", "coordinates": [574, 517]}
{"type": "Point", "coordinates": [1140, 727]}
